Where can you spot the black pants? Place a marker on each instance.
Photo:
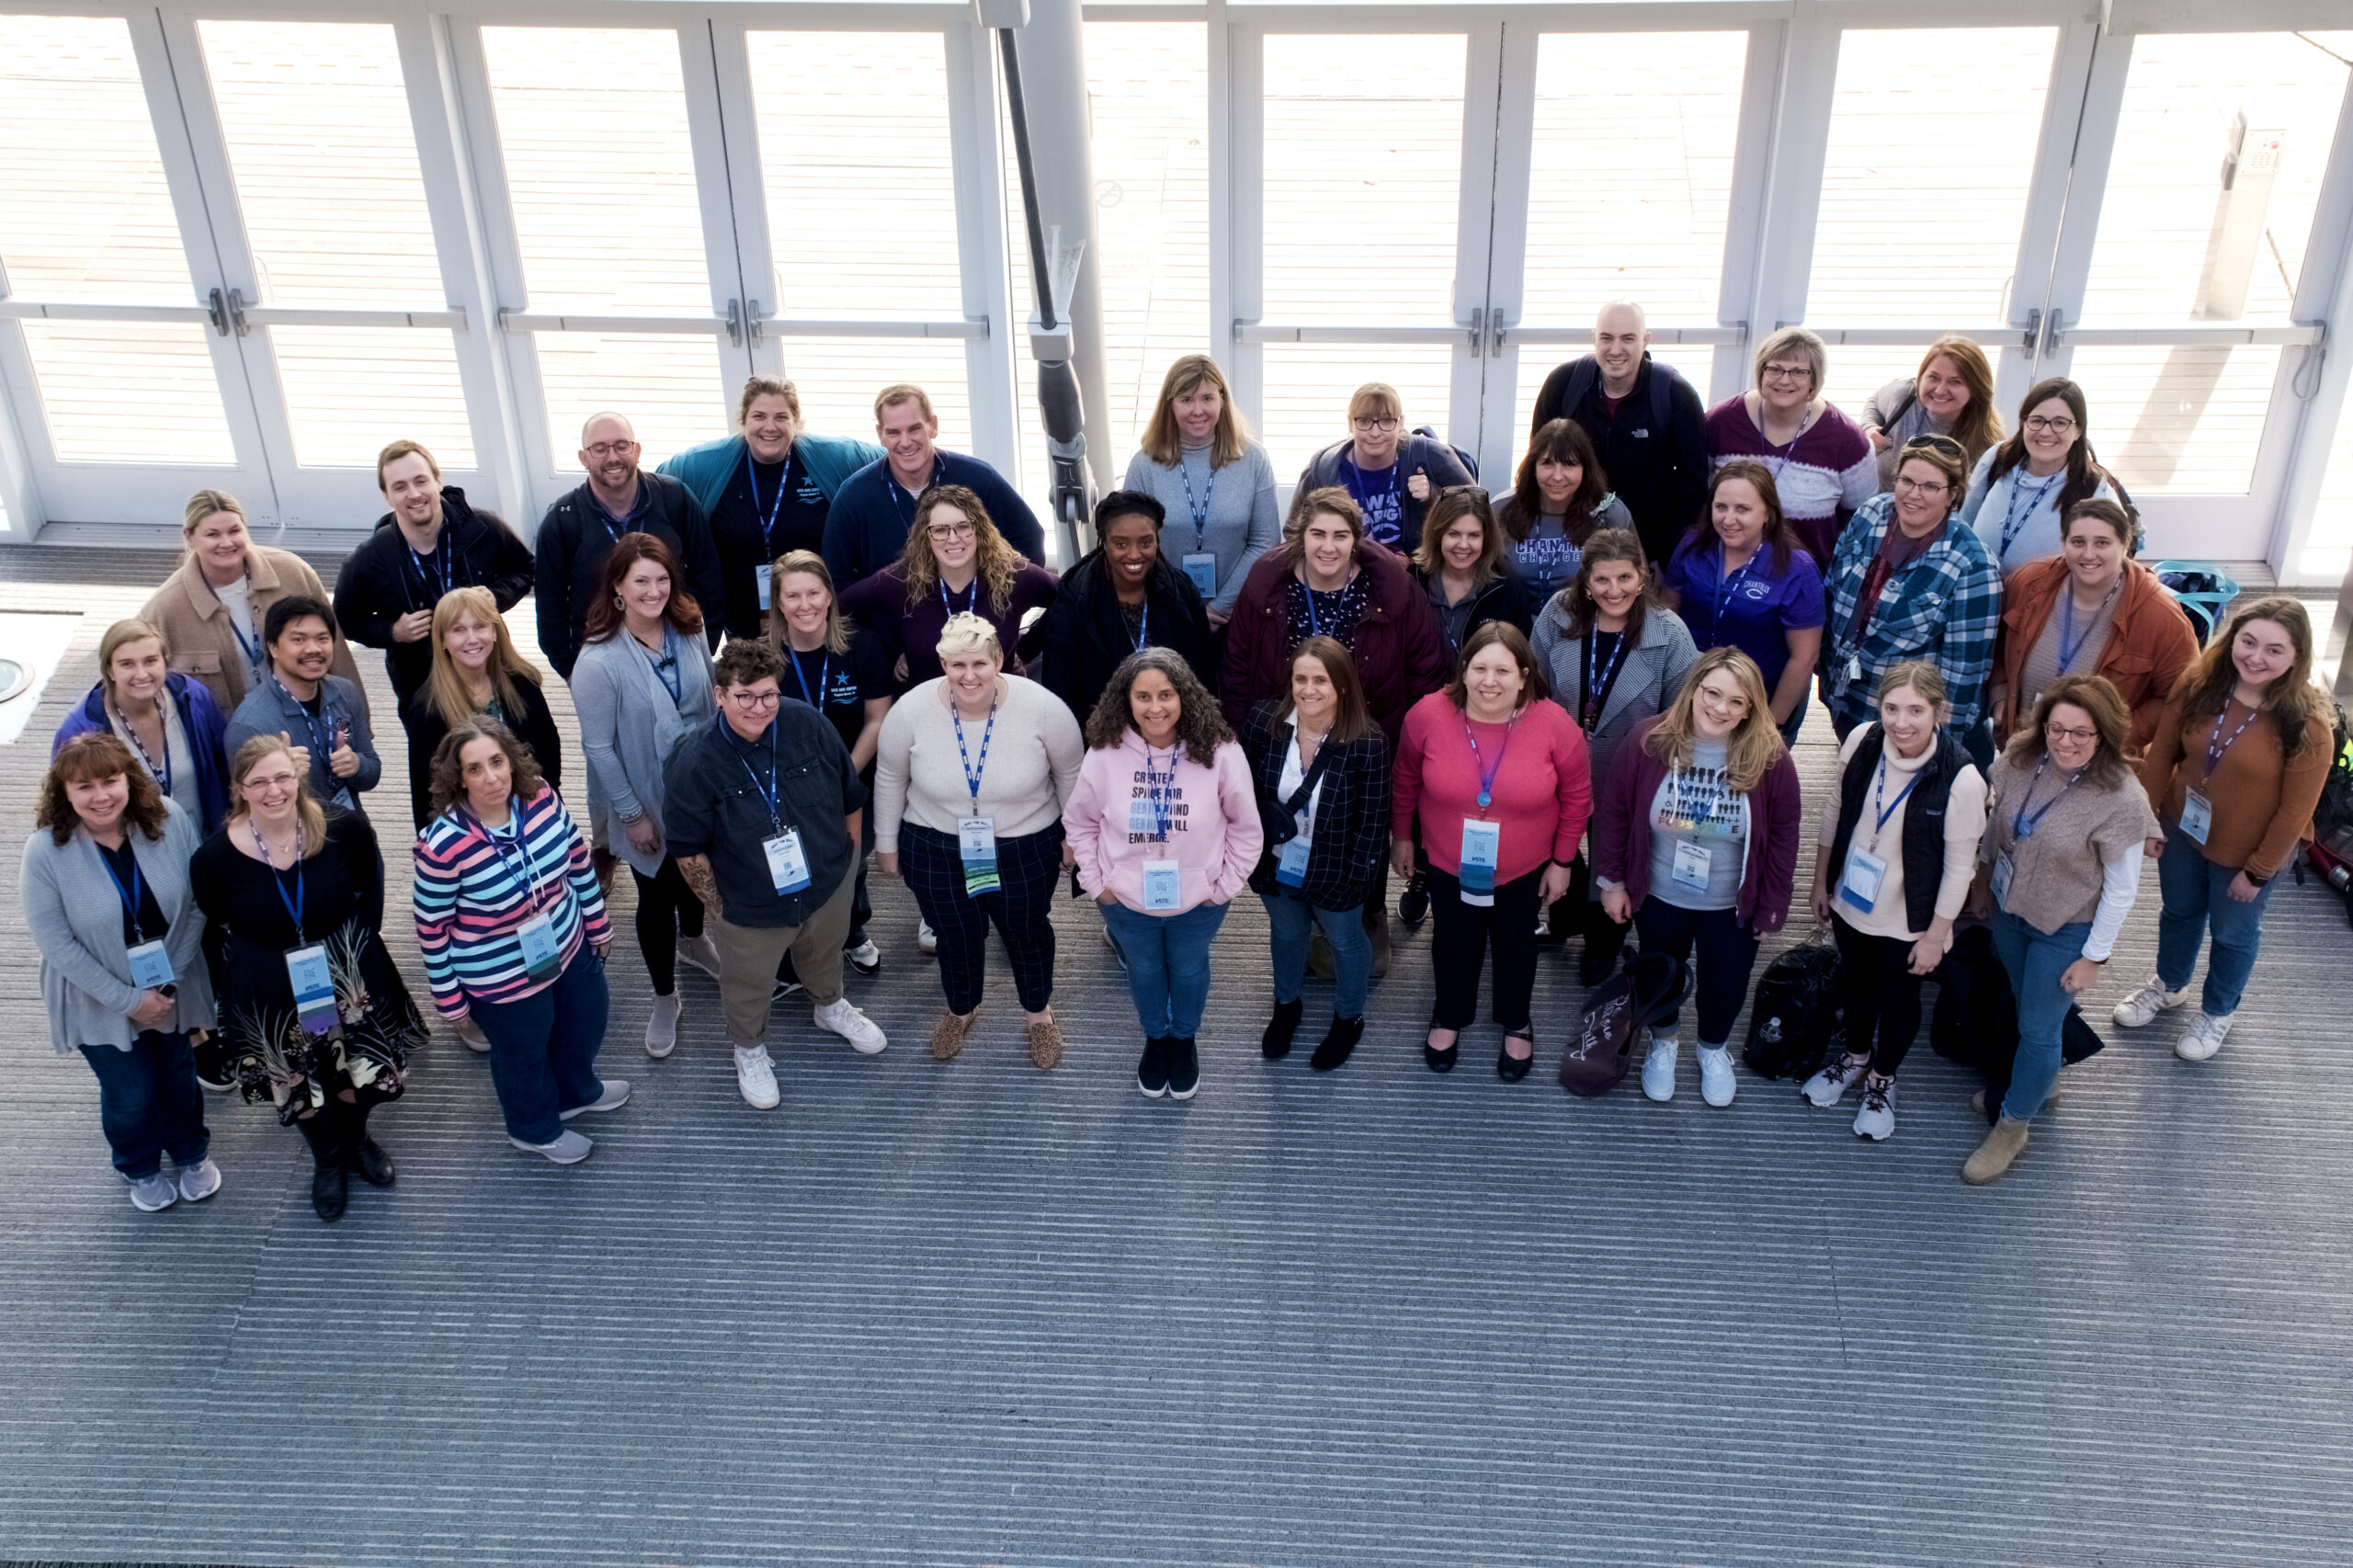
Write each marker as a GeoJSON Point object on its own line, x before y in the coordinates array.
{"type": "Point", "coordinates": [1880, 993]}
{"type": "Point", "coordinates": [1460, 944]}
{"type": "Point", "coordinates": [1029, 869]}
{"type": "Point", "coordinates": [666, 910]}
{"type": "Point", "coordinates": [1727, 953]}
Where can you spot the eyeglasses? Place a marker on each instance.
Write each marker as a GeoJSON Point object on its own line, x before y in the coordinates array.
{"type": "Point", "coordinates": [946, 531]}
{"type": "Point", "coordinates": [603, 449]}
{"type": "Point", "coordinates": [1910, 486]}
{"type": "Point", "coordinates": [1937, 444]}
{"type": "Point", "coordinates": [752, 701]}
{"type": "Point", "coordinates": [1369, 423]}
{"type": "Point", "coordinates": [2048, 424]}
{"type": "Point", "coordinates": [1785, 374]}
{"type": "Point", "coordinates": [2053, 732]}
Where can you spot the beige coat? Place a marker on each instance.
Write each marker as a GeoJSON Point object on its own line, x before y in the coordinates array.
{"type": "Point", "coordinates": [203, 639]}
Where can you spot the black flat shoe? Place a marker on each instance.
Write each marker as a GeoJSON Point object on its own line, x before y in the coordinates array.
{"type": "Point", "coordinates": [1512, 1069]}
{"type": "Point", "coordinates": [374, 1166]}
{"type": "Point", "coordinates": [1340, 1042]}
{"type": "Point", "coordinates": [1438, 1060]}
{"type": "Point", "coordinates": [1275, 1044]}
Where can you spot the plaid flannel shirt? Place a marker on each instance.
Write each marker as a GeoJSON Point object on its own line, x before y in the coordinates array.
{"type": "Point", "coordinates": [1945, 607]}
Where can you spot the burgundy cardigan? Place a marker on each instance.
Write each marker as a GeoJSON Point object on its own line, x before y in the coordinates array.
{"type": "Point", "coordinates": [1621, 832]}
{"type": "Point", "coordinates": [1399, 658]}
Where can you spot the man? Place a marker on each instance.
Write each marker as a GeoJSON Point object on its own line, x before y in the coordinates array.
{"type": "Point", "coordinates": [1391, 474]}
{"type": "Point", "coordinates": [1648, 423]}
{"type": "Point", "coordinates": [768, 490]}
{"type": "Point", "coordinates": [876, 506]}
{"type": "Point", "coordinates": [776, 864]}
{"type": "Point", "coordinates": [430, 542]}
{"type": "Point", "coordinates": [617, 498]}
{"type": "Point", "coordinates": [318, 714]}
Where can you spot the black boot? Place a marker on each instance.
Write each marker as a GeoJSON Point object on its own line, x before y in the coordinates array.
{"type": "Point", "coordinates": [1151, 1072]}
{"type": "Point", "coordinates": [330, 1181]}
{"type": "Point", "coordinates": [365, 1155]}
{"type": "Point", "coordinates": [1184, 1068]}
{"type": "Point", "coordinates": [1275, 1044]}
{"type": "Point", "coordinates": [1339, 1042]}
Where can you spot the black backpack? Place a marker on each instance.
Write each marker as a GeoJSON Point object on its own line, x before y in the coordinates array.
{"type": "Point", "coordinates": [1797, 1017]}
{"type": "Point", "coordinates": [1585, 374]}
{"type": "Point", "coordinates": [2331, 850]}
{"type": "Point", "coordinates": [1469, 463]}
{"type": "Point", "coordinates": [1975, 1022]}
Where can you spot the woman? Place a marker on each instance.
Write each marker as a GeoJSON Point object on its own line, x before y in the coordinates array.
{"type": "Point", "coordinates": [1613, 656]}
{"type": "Point", "coordinates": [1198, 462]}
{"type": "Point", "coordinates": [1164, 831]}
{"type": "Point", "coordinates": [476, 673]}
{"type": "Point", "coordinates": [1124, 595]}
{"type": "Point", "coordinates": [1560, 496]}
{"type": "Point", "coordinates": [1388, 474]}
{"type": "Point", "coordinates": [844, 672]}
{"type": "Point", "coordinates": [1911, 582]}
{"type": "Point", "coordinates": [106, 890]}
{"type": "Point", "coordinates": [2019, 489]}
{"type": "Point", "coordinates": [1696, 843]}
{"type": "Point", "coordinates": [2235, 767]}
{"type": "Point", "coordinates": [512, 926]}
{"type": "Point", "coordinates": [641, 686]}
{"type": "Point", "coordinates": [1897, 851]}
{"type": "Point", "coordinates": [969, 786]}
{"type": "Point", "coordinates": [316, 1017]}
{"type": "Point", "coordinates": [209, 611]}
{"type": "Point", "coordinates": [1321, 766]}
{"type": "Point", "coordinates": [1462, 566]}
{"type": "Point", "coordinates": [167, 719]}
{"type": "Point", "coordinates": [1951, 394]}
{"type": "Point", "coordinates": [2058, 868]}
{"type": "Point", "coordinates": [1739, 582]}
{"type": "Point", "coordinates": [1495, 781]}
{"type": "Point", "coordinates": [955, 562]}
{"type": "Point", "coordinates": [1820, 462]}
{"type": "Point", "coordinates": [2091, 609]}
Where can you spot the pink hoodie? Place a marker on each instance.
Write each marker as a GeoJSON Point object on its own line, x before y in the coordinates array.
{"type": "Point", "coordinates": [1213, 832]}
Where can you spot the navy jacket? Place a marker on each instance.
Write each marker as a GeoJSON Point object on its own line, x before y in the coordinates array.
{"type": "Point", "coordinates": [574, 537]}
{"type": "Point", "coordinates": [867, 527]}
{"type": "Point", "coordinates": [1661, 475]}
{"type": "Point", "coordinates": [1416, 454]}
{"type": "Point", "coordinates": [380, 581]}
{"type": "Point", "coordinates": [713, 805]}
{"type": "Point", "coordinates": [199, 716]}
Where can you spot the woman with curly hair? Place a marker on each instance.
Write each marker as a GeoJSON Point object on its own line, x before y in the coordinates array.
{"type": "Point", "coordinates": [106, 889]}
{"type": "Point", "coordinates": [955, 562]}
{"type": "Point", "coordinates": [1162, 827]}
{"type": "Point", "coordinates": [313, 1013]}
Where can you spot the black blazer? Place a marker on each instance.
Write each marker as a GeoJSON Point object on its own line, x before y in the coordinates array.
{"type": "Point", "coordinates": [533, 725]}
{"type": "Point", "coordinates": [1351, 814]}
{"type": "Point", "coordinates": [1084, 636]}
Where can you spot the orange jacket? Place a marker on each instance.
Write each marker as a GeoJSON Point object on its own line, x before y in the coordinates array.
{"type": "Point", "coordinates": [2149, 640]}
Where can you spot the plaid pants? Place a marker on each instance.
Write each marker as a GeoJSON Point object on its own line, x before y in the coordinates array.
{"type": "Point", "coordinates": [1029, 867]}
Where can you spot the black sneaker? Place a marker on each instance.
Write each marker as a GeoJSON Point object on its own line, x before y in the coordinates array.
{"type": "Point", "coordinates": [1413, 903]}
{"type": "Point", "coordinates": [1184, 1069]}
{"type": "Point", "coordinates": [1151, 1072]}
{"type": "Point", "coordinates": [864, 957]}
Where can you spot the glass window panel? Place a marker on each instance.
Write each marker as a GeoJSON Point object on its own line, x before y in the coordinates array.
{"type": "Point", "coordinates": [83, 210]}
{"type": "Point", "coordinates": [350, 390]}
{"type": "Point", "coordinates": [591, 122]}
{"type": "Point", "coordinates": [837, 377]}
{"type": "Point", "coordinates": [1632, 175]}
{"type": "Point", "coordinates": [667, 385]}
{"type": "Point", "coordinates": [1308, 385]}
{"type": "Point", "coordinates": [316, 122]}
{"type": "Point", "coordinates": [1363, 172]}
{"type": "Point", "coordinates": [2181, 420]}
{"type": "Point", "coordinates": [1908, 232]}
{"type": "Point", "coordinates": [83, 369]}
{"type": "Point", "coordinates": [2328, 549]}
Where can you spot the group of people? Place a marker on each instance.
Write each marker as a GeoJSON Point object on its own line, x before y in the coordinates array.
{"type": "Point", "coordinates": [799, 662]}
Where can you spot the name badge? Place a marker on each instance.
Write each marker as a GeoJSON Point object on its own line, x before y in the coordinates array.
{"type": "Point", "coordinates": [1860, 885]}
{"type": "Point", "coordinates": [1291, 861]}
{"type": "Point", "coordinates": [1690, 866]}
{"type": "Point", "coordinates": [1200, 565]}
{"type": "Point", "coordinates": [787, 868]}
{"type": "Point", "coordinates": [1163, 884]}
{"type": "Point", "coordinates": [2002, 869]}
{"type": "Point", "coordinates": [976, 841]}
{"type": "Point", "coordinates": [760, 580]}
{"type": "Point", "coordinates": [151, 967]}
{"type": "Point", "coordinates": [313, 981]}
{"type": "Point", "coordinates": [2196, 816]}
{"type": "Point", "coordinates": [542, 954]}
{"type": "Point", "coordinates": [1481, 845]}
{"type": "Point", "coordinates": [1854, 670]}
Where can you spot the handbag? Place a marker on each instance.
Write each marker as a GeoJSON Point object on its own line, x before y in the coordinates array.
{"type": "Point", "coordinates": [1646, 991]}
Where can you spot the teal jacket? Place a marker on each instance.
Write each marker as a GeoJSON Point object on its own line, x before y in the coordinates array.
{"type": "Point", "coordinates": [828, 460]}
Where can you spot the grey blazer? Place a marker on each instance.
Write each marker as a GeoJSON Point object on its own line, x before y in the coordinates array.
{"type": "Point", "coordinates": [75, 914]}
{"type": "Point", "coordinates": [1647, 681]}
{"type": "Point", "coordinates": [629, 727]}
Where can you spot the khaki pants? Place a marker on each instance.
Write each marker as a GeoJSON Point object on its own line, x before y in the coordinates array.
{"type": "Point", "coordinates": [748, 956]}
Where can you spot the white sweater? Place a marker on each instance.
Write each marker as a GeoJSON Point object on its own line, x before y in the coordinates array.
{"type": "Point", "coordinates": [1033, 758]}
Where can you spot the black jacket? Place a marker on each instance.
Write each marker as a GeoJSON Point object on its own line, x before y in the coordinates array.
{"type": "Point", "coordinates": [713, 804]}
{"type": "Point", "coordinates": [1416, 454]}
{"type": "Point", "coordinates": [533, 724]}
{"type": "Point", "coordinates": [1661, 475]}
{"type": "Point", "coordinates": [1351, 814]}
{"type": "Point", "coordinates": [1505, 599]}
{"type": "Point", "coordinates": [380, 582]}
{"type": "Point", "coordinates": [1084, 636]}
{"type": "Point", "coordinates": [573, 542]}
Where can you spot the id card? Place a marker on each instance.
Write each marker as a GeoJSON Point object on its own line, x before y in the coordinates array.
{"type": "Point", "coordinates": [787, 868]}
{"type": "Point", "coordinates": [976, 841]}
{"type": "Point", "coordinates": [1865, 873]}
{"type": "Point", "coordinates": [151, 967]}
{"type": "Point", "coordinates": [760, 581]}
{"type": "Point", "coordinates": [1291, 861]}
{"type": "Point", "coordinates": [2196, 816]}
{"type": "Point", "coordinates": [1690, 868]}
{"type": "Point", "coordinates": [1481, 845]}
{"type": "Point", "coordinates": [542, 955]}
{"type": "Point", "coordinates": [2002, 869]}
{"type": "Point", "coordinates": [313, 983]}
{"type": "Point", "coordinates": [1200, 565]}
{"type": "Point", "coordinates": [1163, 884]}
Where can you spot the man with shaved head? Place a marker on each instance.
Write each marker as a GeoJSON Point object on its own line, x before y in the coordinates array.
{"type": "Point", "coordinates": [1648, 425]}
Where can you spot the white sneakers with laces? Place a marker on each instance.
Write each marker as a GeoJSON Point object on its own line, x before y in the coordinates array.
{"type": "Point", "coordinates": [152, 1195]}
{"type": "Point", "coordinates": [756, 1076]}
{"type": "Point", "coordinates": [843, 1018]}
{"type": "Point", "coordinates": [2141, 1008]}
{"type": "Point", "coordinates": [1717, 1084]}
{"type": "Point", "coordinates": [2203, 1037]}
{"type": "Point", "coordinates": [1875, 1120]}
{"type": "Point", "coordinates": [1658, 1068]}
{"type": "Point", "coordinates": [200, 1181]}
{"type": "Point", "coordinates": [1828, 1087]}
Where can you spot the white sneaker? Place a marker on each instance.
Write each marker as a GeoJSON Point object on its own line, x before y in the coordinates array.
{"type": "Point", "coordinates": [1717, 1085]}
{"type": "Point", "coordinates": [1876, 1120]}
{"type": "Point", "coordinates": [569, 1149]}
{"type": "Point", "coordinates": [865, 958]}
{"type": "Point", "coordinates": [2203, 1037]}
{"type": "Point", "coordinates": [755, 1075]}
{"type": "Point", "coordinates": [1658, 1069]}
{"type": "Point", "coordinates": [470, 1032]}
{"type": "Point", "coordinates": [152, 1195]}
{"type": "Point", "coordinates": [200, 1181]}
{"type": "Point", "coordinates": [662, 1027]}
{"type": "Point", "coordinates": [1828, 1087]}
{"type": "Point", "coordinates": [864, 1035]}
{"type": "Point", "coordinates": [927, 941]}
{"type": "Point", "coordinates": [702, 952]}
{"type": "Point", "coordinates": [2142, 1006]}
{"type": "Point", "coordinates": [616, 1095]}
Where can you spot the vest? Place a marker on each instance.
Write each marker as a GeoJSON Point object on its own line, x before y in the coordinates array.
{"type": "Point", "coordinates": [1924, 819]}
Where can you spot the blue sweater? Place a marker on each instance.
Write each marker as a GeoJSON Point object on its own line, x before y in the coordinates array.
{"type": "Point", "coordinates": [868, 527]}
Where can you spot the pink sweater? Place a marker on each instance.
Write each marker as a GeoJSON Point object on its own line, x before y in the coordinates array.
{"type": "Point", "coordinates": [1542, 795]}
{"type": "Point", "coordinates": [1213, 832]}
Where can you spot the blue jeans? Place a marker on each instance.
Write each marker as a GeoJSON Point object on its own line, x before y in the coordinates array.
{"type": "Point", "coordinates": [543, 1048]}
{"type": "Point", "coordinates": [2196, 895]}
{"type": "Point", "coordinates": [1289, 921]}
{"type": "Point", "coordinates": [1168, 964]}
{"type": "Point", "coordinates": [148, 1103]}
{"type": "Point", "coordinates": [2034, 963]}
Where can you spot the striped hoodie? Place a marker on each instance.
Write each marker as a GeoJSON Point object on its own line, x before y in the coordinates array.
{"type": "Point", "coordinates": [470, 899]}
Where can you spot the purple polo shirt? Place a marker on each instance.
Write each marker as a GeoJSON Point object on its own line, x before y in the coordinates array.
{"type": "Point", "coordinates": [1761, 609]}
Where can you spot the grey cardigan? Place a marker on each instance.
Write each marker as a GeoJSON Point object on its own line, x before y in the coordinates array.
{"type": "Point", "coordinates": [629, 727]}
{"type": "Point", "coordinates": [1647, 680]}
{"type": "Point", "coordinates": [1243, 520]}
{"type": "Point", "coordinates": [75, 914]}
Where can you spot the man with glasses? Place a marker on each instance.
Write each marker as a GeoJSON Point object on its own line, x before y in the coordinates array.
{"type": "Point", "coordinates": [867, 525]}
{"type": "Point", "coordinates": [762, 808]}
{"type": "Point", "coordinates": [1648, 425]}
{"type": "Point", "coordinates": [1391, 474]}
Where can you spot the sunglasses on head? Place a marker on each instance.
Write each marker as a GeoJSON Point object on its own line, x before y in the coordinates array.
{"type": "Point", "coordinates": [1937, 444]}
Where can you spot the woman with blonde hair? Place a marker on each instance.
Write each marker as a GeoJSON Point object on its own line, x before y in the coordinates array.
{"type": "Point", "coordinates": [955, 562]}
{"type": "Point", "coordinates": [1214, 482]}
{"type": "Point", "coordinates": [1950, 394]}
{"type": "Point", "coordinates": [1388, 471]}
{"type": "Point", "coordinates": [1820, 460]}
{"type": "Point", "coordinates": [167, 719]}
{"type": "Point", "coordinates": [1695, 842]}
{"type": "Point", "coordinates": [475, 672]}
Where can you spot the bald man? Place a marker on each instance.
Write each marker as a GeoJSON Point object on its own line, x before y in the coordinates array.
{"type": "Point", "coordinates": [1648, 425]}
{"type": "Point", "coordinates": [584, 524]}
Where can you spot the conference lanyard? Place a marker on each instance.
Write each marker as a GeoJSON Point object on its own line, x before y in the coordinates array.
{"type": "Point", "coordinates": [902, 504]}
{"type": "Point", "coordinates": [2022, 827]}
{"type": "Point", "coordinates": [2071, 641]}
{"type": "Point", "coordinates": [1724, 590]}
{"type": "Point", "coordinates": [252, 645]}
{"type": "Point", "coordinates": [499, 845]}
{"type": "Point", "coordinates": [1487, 774]}
{"type": "Point", "coordinates": [1161, 792]}
{"type": "Point", "coordinates": [293, 906]}
{"type": "Point", "coordinates": [1879, 787]}
{"type": "Point", "coordinates": [972, 597]}
{"type": "Point", "coordinates": [1143, 625]}
{"type": "Point", "coordinates": [825, 670]}
{"type": "Point", "coordinates": [666, 668]}
{"type": "Point", "coordinates": [1198, 506]}
{"type": "Point", "coordinates": [2216, 747]}
{"type": "Point", "coordinates": [1596, 692]}
{"type": "Point", "coordinates": [972, 774]}
{"type": "Point", "coordinates": [1314, 622]}
{"type": "Point", "coordinates": [2013, 522]}
{"type": "Point", "coordinates": [129, 895]}
{"type": "Point", "coordinates": [752, 478]}
{"type": "Point", "coordinates": [439, 555]}
{"type": "Point", "coordinates": [768, 792]}
{"type": "Point", "coordinates": [160, 775]}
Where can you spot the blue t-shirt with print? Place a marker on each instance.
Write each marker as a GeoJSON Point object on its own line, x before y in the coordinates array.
{"type": "Point", "coordinates": [1760, 610]}
{"type": "Point", "coordinates": [1382, 493]}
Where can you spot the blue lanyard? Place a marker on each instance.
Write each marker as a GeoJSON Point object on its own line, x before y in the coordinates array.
{"type": "Point", "coordinates": [825, 670]}
{"type": "Point", "coordinates": [2012, 523]}
{"type": "Point", "coordinates": [1723, 593]}
{"type": "Point", "coordinates": [971, 773]}
{"type": "Point", "coordinates": [441, 555]}
{"type": "Point", "coordinates": [666, 668]}
{"type": "Point", "coordinates": [160, 775]}
{"type": "Point", "coordinates": [253, 647]}
{"type": "Point", "coordinates": [294, 904]}
{"type": "Point", "coordinates": [129, 895]}
{"type": "Point", "coordinates": [624, 524]}
{"type": "Point", "coordinates": [2070, 641]}
{"type": "Point", "coordinates": [522, 847]}
{"type": "Point", "coordinates": [972, 596]}
{"type": "Point", "coordinates": [899, 501]}
{"type": "Point", "coordinates": [1397, 483]}
{"type": "Point", "coordinates": [752, 478]}
{"type": "Point", "coordinates": [1879, 787]}
{"type": "Point", "coordinates": [1143, 625]}
{"type": "Point", "coordinates": [1199, 508]}
{"type": "Point", "coordinates": [1596, 692]}
{"type": "Point", "coordinates": [2216, 747]}
{"type": "Point", "coordinates": [1315, 622]}
{"type": "Point", "coordinates": [767, 791]}
{"type": "Point", "coordinates": [2022, 827]}
{"type": "Point", "coordinates": [322, 741]}
{"type": "Point", "coordinates": [1487, 774]}
{"type": "Point", "coordinates": [1161, 792]}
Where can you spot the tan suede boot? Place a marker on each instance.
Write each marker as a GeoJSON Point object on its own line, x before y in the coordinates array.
{"type": "Point", "coordinates": [1994, 1155]}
